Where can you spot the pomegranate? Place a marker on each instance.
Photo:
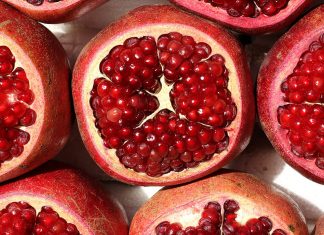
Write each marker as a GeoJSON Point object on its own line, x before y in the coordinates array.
{"type": "Point", "coordinates": [55, 11]}
{"type": "Point", "coordinates": [59, 201]}
{"type": "Point", "coordinates": [227, 203]}
{"type": "Point", "coordinates": [319, 228]}
{"type": "Point", "coordinates": [35, 112]}
{"type": "Point", "coordinates": [162, 97]}
{"type": "Point", "coordinates": [248, 16]}
{"type": "Point", "coordinates": [291, 96]}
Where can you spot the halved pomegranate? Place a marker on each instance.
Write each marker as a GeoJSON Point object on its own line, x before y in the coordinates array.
{"type": "Point", "coordinates": [55, 11]}
{"type": "Point", "coordinates": [35, 112]}
{"type": "Point", "coordinates": [248, 16]}
{"type": "Point", "coordinates": [163, 97]}
{"type": "Point", "coordinates": [319, 227]}
{"type": "Point", "coordinates": [291, 96]}
{"type": "Point", "coordinates": [228, 203]}
{"type": "Point", "coordinates": [58, 201]}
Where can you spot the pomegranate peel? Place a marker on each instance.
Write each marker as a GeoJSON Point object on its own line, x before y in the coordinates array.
{"type": "Point", "coordinates": [58, 11]}
{"type": "Point", "coordinates": [152, 24]}
{"type": "Point", "coordinates": [257, 19]}
{"type": "Point", "coordinates": [186, 205]}
{"type": "Point", "coordinates": [278, 100]}
{"type": "Point", "coordinates": [319, 227]}
{"type": "Point", "coordinates": [60, 191]}
{"type": "Point", "coordinates": [37, 59]}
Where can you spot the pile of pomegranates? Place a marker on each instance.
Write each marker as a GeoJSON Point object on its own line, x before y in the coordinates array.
{"type": "Point", "coordinates": [162, 97]}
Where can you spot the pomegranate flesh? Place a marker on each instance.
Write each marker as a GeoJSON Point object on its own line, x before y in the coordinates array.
{"type": "Point", "coordinates": [58, 200]}
{"type": "Point", "coordinates": [55, 11]}
{"type": "Point", "coordinates": [248, 16]}
{"type": "Point", "coordinates": [291, 96]}
{"type": "Point", "coordinates": [29, 105]}
{"type": "Point", "coordinates": [228, 203]}
{"type": "Point", "coordinates": [167, 106]}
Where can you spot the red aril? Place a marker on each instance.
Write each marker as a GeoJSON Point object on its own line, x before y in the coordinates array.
{"type": "Point", "coordinates": [228, 203]}
{"type": "Point", "coordinates": [35, 112]}
{"type": "Point", "coordinates": [59, 201]}
{"type": "Point", "coordinates": [291, 96]}
{"type": "Point", "coordinates": [55, 11]}
{"type": "Point", "coordinates": [163, 100]}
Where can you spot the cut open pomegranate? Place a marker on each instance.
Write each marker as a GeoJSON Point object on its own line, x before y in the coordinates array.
{"type": "Point", "coordinates": [228, 203]}
{"type": "Point", "coordinates": [171, 97]}
{"type": "Point", "coordinates": [291, 96]}
{"type": "Point", "coordinates": [248, 16]}
{"type": "Point", "coordinates": [32, 73]}
{"type": "Point", "coordinates": [55, 11]}
{"type": "Point", "coordinates": [58, 201]}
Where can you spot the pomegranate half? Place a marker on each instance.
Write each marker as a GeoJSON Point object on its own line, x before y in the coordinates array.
{"type": "Point", "coordinates": [162, 97]}
{"type": "Point", "coordinates": [58, 200]}
{"type": "Point", "coordinates": [35, 108]}
{"type": "Point", "coordinates": [55, 11]}
{"type": "Point", "coordinates": [228, 203]}
{"type": "Point", "coordinates": [291, 96]}
{"type": "Point", "coordinates": [248, 16]}
{"type": "Point", "coordinates": [319, 227]}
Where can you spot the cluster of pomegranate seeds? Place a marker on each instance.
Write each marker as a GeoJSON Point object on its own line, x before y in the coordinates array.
{"type": "Point", "coordinates": [15, 98]}
{"type": "Point", "coordinates": [250, 8]}
{"type": "Point", "coordinates": [167, 142]}
{"type": "Point", "coordinates": [20, 218]}
{"type": "Point", "coordinates": [40, 2]}
{"type": "Point", "coordinates": [304, 116]}
{"type": "Point", "coordinates": [212, 222]}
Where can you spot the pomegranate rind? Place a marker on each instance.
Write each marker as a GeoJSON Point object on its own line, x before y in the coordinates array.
{"type": "Point", "coordinates": [39, 49]}
{"type": "Point", "coordinates": [57, 12]}
{"type": "Point", "coordinates": [259, 25]}
{"type": "Point", "coordinates": [250, 192]}
{"type": "Point", "coordinates": [319, 227]}
{"type": "Point", "coordinates": [145, 20]}
{"type": "Point", "coordinates": [277, 66]}
{"type": "Point", "coordinates": [73, 195]}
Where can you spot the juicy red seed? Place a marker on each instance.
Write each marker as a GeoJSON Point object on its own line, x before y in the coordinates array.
{"type": "Point", "coordinates": [167, 141]}
{"type": "Point", "coordinates": [250, 8]}
{"type": "Point", "coordinates": [303, 121]}
{"type": "Point", "coordinates": [212, 221]}
{"type": "Point", "coordinates": [15, 98]}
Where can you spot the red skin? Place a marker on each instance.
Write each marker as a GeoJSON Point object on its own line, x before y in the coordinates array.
{"type": "Point", "coordinates": [144, 17]}
{"type": "Point", "coordinates": [255, 198]}
{"type": "Point", "coordinates": [63, 11]}
{"type": "Point", "coordinates": [67, 188]}
{"type": "Point", "coordinates": [319, 229]}
{"type": "Point", "coordinates": [260, 25]}
{"type": "Point", "coordinates": [289, 47]}
{"type": "Point", "coordinates": [44, 51]}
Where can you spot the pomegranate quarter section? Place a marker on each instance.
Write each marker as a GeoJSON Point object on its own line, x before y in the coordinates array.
{"type": "Point", "coordinates": [291, 96]}
{"type": "Point", "coordinates": [35, 105]}
{"type": "Point", "coordinates": [248, 16]}
{"type": "Point", "coordinates": [58, 201]}
{"type": "Point", "coordinates": [55, 11]}
{"type": "Point", "coordinates": [228, 203]}
{"type": "Point", "coordinates": [163, 97]}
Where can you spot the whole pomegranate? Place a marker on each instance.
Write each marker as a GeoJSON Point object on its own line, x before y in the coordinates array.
{"type": "Point", "coordinates": [291, 96]}
{"type": "Point", "coordinates": [228, 203]}
{"type": "Point", "coordinates": [55, 11]}
{"type": "Point", "coordinates": [163, 97]}
{"type": "Point", "coordinates": [35, 112]}
{"type": "Point", "coordinates": [58, 200]}
{"type": "Point", "coordinates": [248, 16]}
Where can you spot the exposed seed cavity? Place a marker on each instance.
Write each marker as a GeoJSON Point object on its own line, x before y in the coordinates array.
{"type": "Point", "coordinates": [167, 142]}
{"type": "Point", "coordinates": [304, 116]}
{"type": "Point", "coordinates": [215, 221]}
{"type": "Point", "coordinates": [15, 113]}
{"type": "Point", "coordinates": [249, 8]}
{"type": "Point", "coordinates": [20, 218]}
